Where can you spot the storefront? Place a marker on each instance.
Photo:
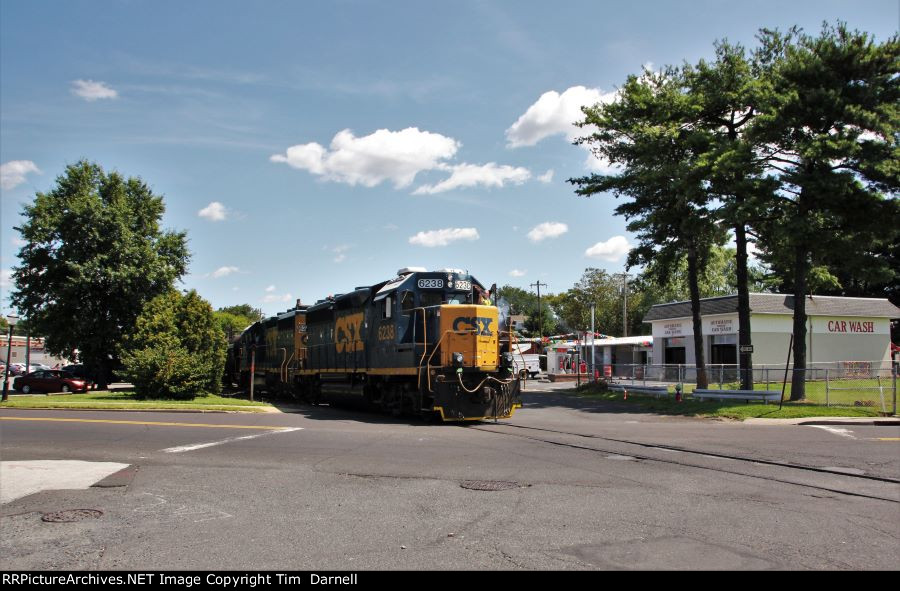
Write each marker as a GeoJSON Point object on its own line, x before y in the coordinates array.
{"type": "Point", "coordinates": [838, 329]}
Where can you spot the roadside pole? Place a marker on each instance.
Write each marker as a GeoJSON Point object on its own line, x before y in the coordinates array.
{"type": "Point", "coordinates": [894, 380]}
{"type": "Point", "coordinates": [593, 336]}
{"type": "Point", "coordinates": [252, 371]}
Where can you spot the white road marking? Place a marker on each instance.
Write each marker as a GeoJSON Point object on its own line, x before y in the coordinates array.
{"type": "Point", "coordinates": [184, 448]}
{"type": "Point", "coordinates": [21, 478]}
{"type": "Point", "coordinates": [837, 431]}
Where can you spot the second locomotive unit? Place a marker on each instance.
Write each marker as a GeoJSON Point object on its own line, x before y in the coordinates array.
{"type": "Point", "coordinates": [421, 343]}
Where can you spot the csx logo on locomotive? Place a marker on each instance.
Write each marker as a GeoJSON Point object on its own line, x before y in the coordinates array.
{"type": "Point", "coordinates": [480, 324]}
{"type": "Point", "coordinates": [347, 333]}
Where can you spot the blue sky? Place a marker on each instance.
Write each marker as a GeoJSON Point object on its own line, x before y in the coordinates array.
{"type": "Point", "coordinates": [310, 147]}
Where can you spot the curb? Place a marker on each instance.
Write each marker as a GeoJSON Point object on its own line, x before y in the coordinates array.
{"type": "Point", "coordinates": [812, 421]}
{"type": "Point", "coordinates": [849, 421]}
{"type": "Point", "coordinates": [176, 410]}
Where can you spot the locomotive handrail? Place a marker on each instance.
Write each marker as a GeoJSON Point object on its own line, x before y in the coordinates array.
{"type": "Point", "coordinates": [424, 333]}
{"type": "Point", "coordinates": [286, 364]}
{"type": "Point", "coordinates": [283, 361]}
{"type": "Point", "coordinates": [428, 363]}
{"type": "Point", "coordinates": [463, 386]}
{"type": "Point", "coordinates": [514, 340]}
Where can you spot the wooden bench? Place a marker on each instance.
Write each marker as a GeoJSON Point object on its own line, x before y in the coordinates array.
{"type": "Point", "coordinates": [746, 395]}
{"type": "Point", "coordinates": [638, 389]}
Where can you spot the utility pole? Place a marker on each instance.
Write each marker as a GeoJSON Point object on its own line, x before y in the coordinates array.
{"type": "Point", "coordinates": [540, 316]}
{"type": "Point", "coordinates": [624, 304]}
{"type": "Point", "coordinates": [593, 336]}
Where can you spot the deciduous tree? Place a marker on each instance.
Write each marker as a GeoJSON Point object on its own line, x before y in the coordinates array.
{"type": "Point", "coordinates": [94, 254]}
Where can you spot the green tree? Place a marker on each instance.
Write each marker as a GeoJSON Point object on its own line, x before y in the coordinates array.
{"type": "Point", "coordinates": [177, 349]}
{"type": "Point", "coordinates": [604, 291]}
{"type": "Point", "coordinates": [234, 319]}
{"type": "Point", "coordinates": [94, 254]}
{"type": "Point", "coordinates": [830, 127]}
{"type": "Point", "coordinates": [245, 310]}
{"type": "Point", "coordinates": [645, 132]}
{"type": "Point", "coordinates": [728, 94]}
{"type": "Point", "coordinates": [525, 302]}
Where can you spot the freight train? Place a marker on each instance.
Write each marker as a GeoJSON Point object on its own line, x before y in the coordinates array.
{"type": "Point", "coordinates": [423, 343]}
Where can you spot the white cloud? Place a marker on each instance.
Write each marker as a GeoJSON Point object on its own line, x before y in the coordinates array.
{"type": "Point", "coordinates": [12, 173]}
{"type": "Point", "coordinates": [471, 175]}
{"type": "Point", "coordinates": [554, 114]}
{"type": "Point", "coordinates": [340, 253]}
{"type": "Point", "coordinates": [443, 237]}
{"type": "Point", "coordinates": [214, 212]}
{"type": "Point", "coordinates": [611, 250]}
{"type": "Point", "coordinates": [395, 156]}
{"type": "Point", "coordinates": [518, 273]}
{"type": "Point", "coordinates": [275, 298]}
{"type": "Point", "coordinates": [547, 177]}
{"type": "Point", "coordinates": [92, 91]}
{"type": "Point", "coordinates": [5, 278]}
{"type": "Point", "coordinates": [547, 230]}
{"type": "Point", "coordinates": [224, 272]}
{"type": "Point", "coordinates": [270, 289]}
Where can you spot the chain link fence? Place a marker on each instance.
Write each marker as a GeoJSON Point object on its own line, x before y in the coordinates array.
{"type": "Point", "coordinates": [841, 383]}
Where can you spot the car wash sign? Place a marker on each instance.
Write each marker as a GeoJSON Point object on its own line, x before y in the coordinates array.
{"type": "Point", "coordinates": [850, 326]}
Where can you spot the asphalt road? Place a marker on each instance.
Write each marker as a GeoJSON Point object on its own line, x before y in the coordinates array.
{"type": "Point", "coordinates": [585, 486]}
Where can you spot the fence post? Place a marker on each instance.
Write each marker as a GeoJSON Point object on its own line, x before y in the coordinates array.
{"type": "Point", "coordinates": [721, 376]}
{"type": "Point", "coordinates": [827, 387]}
{"type": "Point", "coordinates": [894, 380]}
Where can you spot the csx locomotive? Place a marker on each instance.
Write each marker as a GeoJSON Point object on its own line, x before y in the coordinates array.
{"type": "Point", "coordinates": [420, 343]}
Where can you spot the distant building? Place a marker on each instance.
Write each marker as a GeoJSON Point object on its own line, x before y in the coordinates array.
{"type": "Point", "coordinates": [518, 322]}
{"type": "Point", "coordinates": [838, 329]}
{"type": "Point", "coordinates": [36, 347]}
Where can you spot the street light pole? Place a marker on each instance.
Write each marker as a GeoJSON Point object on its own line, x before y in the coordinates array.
{"type": "Point", "coordinates": [11, 319]}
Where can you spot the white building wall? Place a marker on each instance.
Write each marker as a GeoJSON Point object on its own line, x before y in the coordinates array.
{"type": "Point", "coordinates": [829, 338]}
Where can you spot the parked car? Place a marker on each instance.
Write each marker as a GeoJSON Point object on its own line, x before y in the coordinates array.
{"type": "Point", "coordinates": [38, 367]}
{"type": "Point", "coordinates": [50, 380]}
{"type": "Point", "coordinates": [17, 369]}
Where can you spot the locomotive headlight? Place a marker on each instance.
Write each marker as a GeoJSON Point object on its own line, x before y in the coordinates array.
{"type": "Point", "coordinates": [507, 360]}
{"type": "Point", "coordinates": [457, 359]}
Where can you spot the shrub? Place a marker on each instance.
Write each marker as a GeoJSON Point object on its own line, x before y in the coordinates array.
{"type": "Point", "coordinates": [177, 350]}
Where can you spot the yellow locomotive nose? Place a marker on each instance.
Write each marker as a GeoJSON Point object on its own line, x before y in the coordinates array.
{"type": "Point", "coordinates": [472, 331]}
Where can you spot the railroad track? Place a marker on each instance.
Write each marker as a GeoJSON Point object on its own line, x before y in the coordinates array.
{"type": "Point", "coordinates": [543, 435]}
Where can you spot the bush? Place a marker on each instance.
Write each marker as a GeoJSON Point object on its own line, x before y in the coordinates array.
{"type": "Point", "coordinates": [177, 350]}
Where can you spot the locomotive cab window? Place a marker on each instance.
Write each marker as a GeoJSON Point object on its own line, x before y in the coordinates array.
{"type": "Point", "coordinates": [408, 302]}
{"type": "Point", "coordinates": [430, 299]}
{"type": "Point", "coordinates": [386, 307]}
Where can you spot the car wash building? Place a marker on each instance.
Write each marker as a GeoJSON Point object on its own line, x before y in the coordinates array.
{"type": "Point", "coordinates": [838, 329]}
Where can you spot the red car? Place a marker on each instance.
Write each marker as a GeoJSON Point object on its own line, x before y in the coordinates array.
{"type": "Point", "coordinates": [50, 380]}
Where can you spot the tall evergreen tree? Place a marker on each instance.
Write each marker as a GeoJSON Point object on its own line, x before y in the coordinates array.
{"type": "Point", "coordinates": [727, 92]}
{"type": "Point", "coordinates": [645, 132]}
{"type": "Point", "coordinates": [829, 132]}
{"type": "Point", "coordinates": [94, 254]}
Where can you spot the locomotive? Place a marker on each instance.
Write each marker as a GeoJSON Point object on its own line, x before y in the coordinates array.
{"type": "Point", "coordinates": [420, 343]}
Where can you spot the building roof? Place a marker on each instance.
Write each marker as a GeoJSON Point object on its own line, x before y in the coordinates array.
{"type": "Point", "coordinates": [773, 303]}
{"type": "Point", "coordinates": [640, 341]}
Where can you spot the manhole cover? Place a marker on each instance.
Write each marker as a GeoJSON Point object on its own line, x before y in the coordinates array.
{"type": "Point", "coordinates": [489, 485]}
{"type": "Point", "coordinates": [71, 515]}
